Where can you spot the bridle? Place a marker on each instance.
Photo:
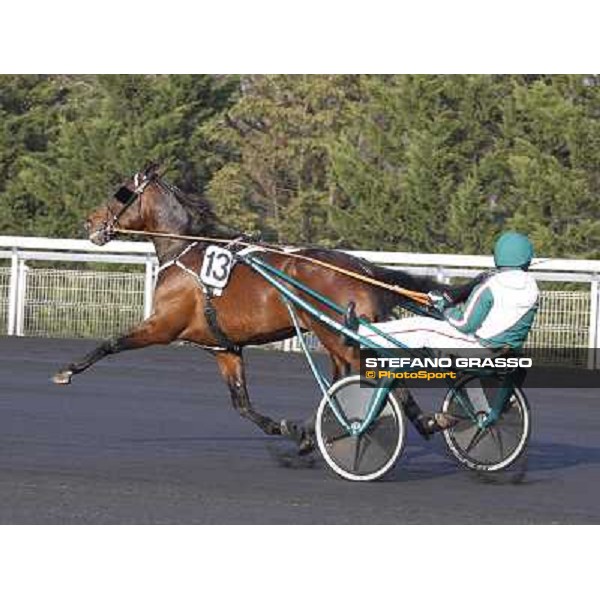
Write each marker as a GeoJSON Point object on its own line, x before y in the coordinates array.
{"type": "Point", "coordinates": [126, 198]}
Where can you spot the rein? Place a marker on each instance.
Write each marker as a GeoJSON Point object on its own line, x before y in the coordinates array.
{"type": "Point", "coordinates": [419, 297]}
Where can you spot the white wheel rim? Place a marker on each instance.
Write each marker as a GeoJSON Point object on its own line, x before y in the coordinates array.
{"type": "Point", "coordinates": [510, 459]}
{"type": "Point", "coordinates": [353, 379]}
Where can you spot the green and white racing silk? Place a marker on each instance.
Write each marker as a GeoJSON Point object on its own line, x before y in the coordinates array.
{"type": "Point", "coordinates": [500, 311]}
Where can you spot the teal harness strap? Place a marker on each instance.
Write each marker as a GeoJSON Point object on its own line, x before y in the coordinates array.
{"type": "Point", "coordinates": [261, 266]}
{"type": "Point", "coordinates": [323, 382]}
{"type": "Point", "coordinates": [304, 305]}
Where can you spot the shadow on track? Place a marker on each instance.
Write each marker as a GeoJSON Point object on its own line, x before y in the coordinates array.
{"type": "Point", "coordinates": [420, 461]}
{"type": "Point", "coordinates": [545, 456]}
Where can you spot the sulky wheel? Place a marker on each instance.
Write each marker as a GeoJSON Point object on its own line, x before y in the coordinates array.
{"type": "Point", "coordinates": [480, 446]}
{"type": "Point", "coordinates": [359, 456]}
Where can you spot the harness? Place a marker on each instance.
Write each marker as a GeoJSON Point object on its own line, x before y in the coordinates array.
{"type": "Point", "coordinates": [210, 311]}
{"type": "Point", "coordinates": [126, 198]}
{"type": "Point", "coordinates": [176, 261]}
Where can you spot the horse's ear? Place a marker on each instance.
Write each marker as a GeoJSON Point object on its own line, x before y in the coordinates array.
{"type": "Point", "coordinates": [151, 170]}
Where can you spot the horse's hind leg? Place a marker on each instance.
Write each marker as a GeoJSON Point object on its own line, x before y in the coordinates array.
{"type": "Point", "coordinates": [152, 331]}
{"type": "Point", "coordinates": [231, 365]}
{"type": "Point", "coordinates": [340, 367]}
{"type": "Point", "coordinates": [304, 432]}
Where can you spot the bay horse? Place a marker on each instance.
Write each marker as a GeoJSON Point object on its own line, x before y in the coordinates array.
{"type": "Point", "coordinates": [249, 311]}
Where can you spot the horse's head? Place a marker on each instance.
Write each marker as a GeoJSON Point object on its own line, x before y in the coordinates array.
{"type": "Point", "coordinates": [124, 209]}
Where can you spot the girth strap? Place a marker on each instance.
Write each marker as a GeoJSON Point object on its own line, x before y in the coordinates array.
{"type": "Point", "coordinates": [210, 313]}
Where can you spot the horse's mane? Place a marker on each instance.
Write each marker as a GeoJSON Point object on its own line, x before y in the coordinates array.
{"type": "Point", "coordinates": [202, 216]}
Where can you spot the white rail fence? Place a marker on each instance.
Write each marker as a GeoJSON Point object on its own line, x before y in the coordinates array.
{"type": "Point", "coordinates": [40, 298]}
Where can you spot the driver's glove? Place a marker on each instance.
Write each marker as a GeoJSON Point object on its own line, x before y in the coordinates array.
{"type": "Point", "coordinates": [439, 300]}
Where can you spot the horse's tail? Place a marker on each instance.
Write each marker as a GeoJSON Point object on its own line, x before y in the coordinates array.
{"type": "Point", "coordinates": [386, 303]}
{"type": "Point", "coordinates": [390, 304]}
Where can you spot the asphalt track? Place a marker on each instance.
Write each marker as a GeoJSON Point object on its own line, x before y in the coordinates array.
{"type": "Point", "coordinates": [150, 437]}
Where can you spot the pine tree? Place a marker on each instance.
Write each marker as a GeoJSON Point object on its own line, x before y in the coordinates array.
{"type": "Point", "coordinates": [104, 129]}
{"type": "Point", "coordinates": [278, 134]}
{"type": "Point", "coordinates": [400, 162]}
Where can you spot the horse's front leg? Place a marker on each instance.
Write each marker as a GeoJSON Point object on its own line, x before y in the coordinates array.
{"type": "Point", "coordinates": [154, 330]}
{"type": "Point", "coordinates": [231, 365]}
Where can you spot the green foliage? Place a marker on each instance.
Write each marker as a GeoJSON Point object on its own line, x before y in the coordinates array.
{"type": "Point", "coordinates": [418, 143]}
{"type": "Point", "coordinates": [79, 136]}
{"type": "Point", "coordinates": [279, 133]}
{"type": "Point", "coordinates": [399, 162]}
{"type": "Point", "coordinates": [444, 163]}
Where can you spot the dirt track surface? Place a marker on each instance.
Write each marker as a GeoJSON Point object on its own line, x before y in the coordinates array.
{"type": "Point", "coordinates": [150, 437]}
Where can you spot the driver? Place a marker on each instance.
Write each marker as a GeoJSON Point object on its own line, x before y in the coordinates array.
{"type": "Point", "coordinates": [498, 314]}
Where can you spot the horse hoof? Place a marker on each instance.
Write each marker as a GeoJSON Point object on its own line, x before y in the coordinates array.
{"type": "Point", "coordinates": [284, 427]}
{"type": "Point", "coordinates": [63, 378]}
{"type": "Point", "coordinates": [290, 430]}
{"type": "Point", "coordinates": [307, 445]}
{"type": "Point", "coordinates": [297, 433]}
{"type": "Point", "coordinates": [275, 429]}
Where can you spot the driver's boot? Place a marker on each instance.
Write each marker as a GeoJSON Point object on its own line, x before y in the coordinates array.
{"type": "Point", "coordinates": [437, 422]}
{"type": "Point", "coordinates": [425, 424]}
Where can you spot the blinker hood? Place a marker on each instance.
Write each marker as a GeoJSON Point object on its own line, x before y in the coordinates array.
{"type": "Point", "coordinates": [124, 195]}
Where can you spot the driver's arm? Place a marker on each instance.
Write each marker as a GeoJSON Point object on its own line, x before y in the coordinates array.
{"type": "Point", "coordinates": [469, 316]}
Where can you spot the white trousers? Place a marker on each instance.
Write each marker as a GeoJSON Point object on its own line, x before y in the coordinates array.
{"type": "Point", "coordinates": [421, 332]}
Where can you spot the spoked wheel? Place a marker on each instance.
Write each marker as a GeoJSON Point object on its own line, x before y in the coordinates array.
{"type": "Point", "coordinates": [370, 454]}
{"type": "Point", "coordinates": [493, 447]}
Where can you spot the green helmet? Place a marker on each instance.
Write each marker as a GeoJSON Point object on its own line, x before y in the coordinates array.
{"type": "Point", "coordinates": [513, 249]}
